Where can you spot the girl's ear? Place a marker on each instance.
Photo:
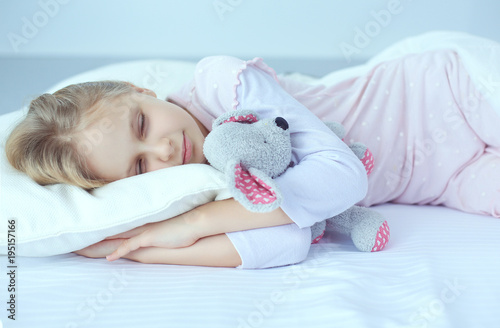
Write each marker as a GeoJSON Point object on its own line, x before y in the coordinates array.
{"type": "Point", "coordinates": [142, 90]}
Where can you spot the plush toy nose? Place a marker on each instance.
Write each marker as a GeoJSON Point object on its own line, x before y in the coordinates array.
{"type": "Point", "coordinates": [281, 122]}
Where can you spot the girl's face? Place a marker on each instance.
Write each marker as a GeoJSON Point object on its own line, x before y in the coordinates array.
{"type": "Point", "coordinates": [140, 134]}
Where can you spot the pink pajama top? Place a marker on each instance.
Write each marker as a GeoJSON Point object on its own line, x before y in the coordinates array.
{"type": "Point", "coordinates": [327, 177]}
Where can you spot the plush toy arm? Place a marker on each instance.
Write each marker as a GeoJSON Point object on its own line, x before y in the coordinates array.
{"type": "Point", "coordinates": [364, 154]}
{"type": "Point", "coordinates": [253, 189]}
{"type": "Point", "coordinates": [337, 128]}
{"type": "Point", "coordinates": [359, 149]}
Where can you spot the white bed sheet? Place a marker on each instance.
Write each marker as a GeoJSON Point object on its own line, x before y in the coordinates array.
{"type": "Point", "coordinates": [440, 269]}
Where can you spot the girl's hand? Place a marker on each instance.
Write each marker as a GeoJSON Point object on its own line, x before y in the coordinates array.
{"type": "Point", "coordinates": [171, 233]}
{"type": "Point", "coordinates": [100, 249]}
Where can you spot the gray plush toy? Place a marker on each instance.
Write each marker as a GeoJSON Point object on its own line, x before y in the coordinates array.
{"type": "Point", "coordinates": [251, 152]}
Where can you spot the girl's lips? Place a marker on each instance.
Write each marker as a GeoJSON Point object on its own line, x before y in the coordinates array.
{"type": "Point", "coordinates": [187, 149]}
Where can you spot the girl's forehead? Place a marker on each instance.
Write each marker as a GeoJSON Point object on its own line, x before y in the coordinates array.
{"type": "Point", "coordinates": [120, 105]}
{"type": "Point", "coordinates": [110, 108]}
{"type": "Point", "coordinates": [125, 101]}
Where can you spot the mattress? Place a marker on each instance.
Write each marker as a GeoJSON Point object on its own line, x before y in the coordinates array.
{"type": "Point", "coordinates": [440, 269]}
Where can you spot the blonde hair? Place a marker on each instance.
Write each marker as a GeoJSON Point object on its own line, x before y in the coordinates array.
{"type": "Point", "coordinates": [44, 146]}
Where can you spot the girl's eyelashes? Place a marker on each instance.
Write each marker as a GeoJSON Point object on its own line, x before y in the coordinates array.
{"type": "Point", "coordinates": [142, 121]}
{"type": "Point", "coordinates": [140, 169]}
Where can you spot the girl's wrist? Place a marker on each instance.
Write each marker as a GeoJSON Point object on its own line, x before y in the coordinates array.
{"type": "Point", "coordinates": [195, 222]}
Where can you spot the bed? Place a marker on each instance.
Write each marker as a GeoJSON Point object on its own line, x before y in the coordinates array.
{"type": "Point", "coordinates": [439, 269]}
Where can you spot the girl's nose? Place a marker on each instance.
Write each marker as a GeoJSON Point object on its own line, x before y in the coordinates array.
{"type": "Point", "coordinates": [163, 149]}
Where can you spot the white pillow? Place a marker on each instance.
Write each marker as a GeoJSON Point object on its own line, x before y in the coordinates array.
{"type": "Point", "coordinates": [60, 218]}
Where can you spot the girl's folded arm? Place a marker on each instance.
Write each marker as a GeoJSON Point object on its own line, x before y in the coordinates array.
{"type": "Point", "coordinates": [214, 251]}
{"type": "Point", "coordinates": [229, 215]}
{"type": "Point", "coordinates": [206, 220]}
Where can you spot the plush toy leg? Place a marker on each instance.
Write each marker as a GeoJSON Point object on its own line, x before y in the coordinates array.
{"type": "Point", "coordinates": [368, 229]}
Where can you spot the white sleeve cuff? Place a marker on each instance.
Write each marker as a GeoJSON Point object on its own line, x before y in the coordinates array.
{"type": "Point", "coordinates": [272, 246]}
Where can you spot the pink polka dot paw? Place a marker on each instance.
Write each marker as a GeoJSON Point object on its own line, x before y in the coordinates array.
{"type": "Point", "coordinates": [382, 237]}
{"type": "Point", "coordinates": [368, 161]}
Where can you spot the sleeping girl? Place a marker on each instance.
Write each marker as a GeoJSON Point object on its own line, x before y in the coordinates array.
{"type": "Point", "coordinates": [433, 135]}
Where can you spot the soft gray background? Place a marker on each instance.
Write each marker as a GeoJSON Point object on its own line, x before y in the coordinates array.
{"type": "Point", "coordinates": [45, 41]}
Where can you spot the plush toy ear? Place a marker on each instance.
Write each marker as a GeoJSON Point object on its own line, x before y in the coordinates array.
{"type": "Point", "coordinates": [239, 116]}
{"type": "Point", "coordinates": [253, 188]}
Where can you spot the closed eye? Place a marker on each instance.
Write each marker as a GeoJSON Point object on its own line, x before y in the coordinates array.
{"type": "Point", "coordinates": [141, 164]}
{"type": "Point", "coordinates": [140, 170]}
{"type": "Point", "coordinates": [142, 118]}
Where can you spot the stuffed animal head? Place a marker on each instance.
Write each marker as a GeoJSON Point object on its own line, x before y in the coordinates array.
{"type": "Point", "coordinates": [250, 152]}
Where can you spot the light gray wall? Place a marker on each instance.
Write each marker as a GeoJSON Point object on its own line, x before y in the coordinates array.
{"type": "Point", "coordinates": [43, 41]}
{"type": "Point", "coordinates": [195, 28]}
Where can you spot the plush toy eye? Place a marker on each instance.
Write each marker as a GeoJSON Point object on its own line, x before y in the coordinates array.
{"type": "Point", "coordinates": [281, 122]}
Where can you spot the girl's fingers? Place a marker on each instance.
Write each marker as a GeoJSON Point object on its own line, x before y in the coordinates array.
{"type": "Point", "coordinates": [129, 245]}
{"type": "Point", "coordinates": [100, 249]}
